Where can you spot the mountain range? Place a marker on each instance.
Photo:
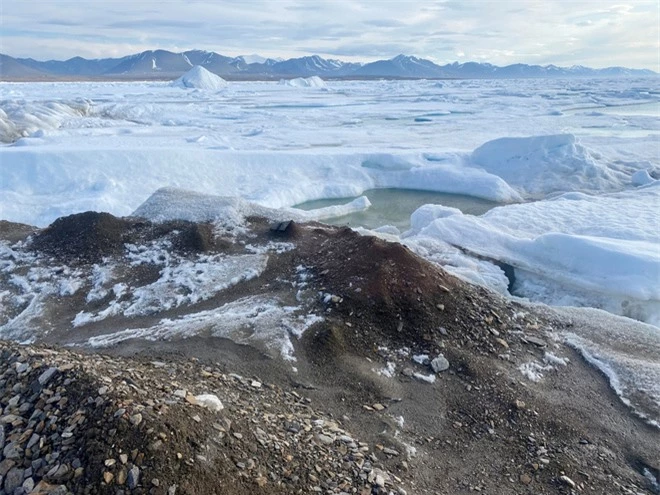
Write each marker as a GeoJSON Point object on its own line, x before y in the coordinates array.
{"type": "Point", "coordinates": [162, 64]}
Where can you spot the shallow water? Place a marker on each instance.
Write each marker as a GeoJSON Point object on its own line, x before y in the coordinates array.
{"type": "Point", "coordinates": [394, 207]}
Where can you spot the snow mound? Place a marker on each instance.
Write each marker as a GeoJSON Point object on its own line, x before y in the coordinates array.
{"type": "Point", "coordinates": [540, 165]}
{"type": "Point", "coordinates": [304, 82]}
{"type": "Point", "coordinates": [200, 78]}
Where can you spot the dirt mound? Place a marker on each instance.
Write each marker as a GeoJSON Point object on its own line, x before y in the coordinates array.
{"type": "Point", "coordinates": [85, 236]}
{"type": "Point", "coordinates": [91, 236]}
{"type": "Point", "coordinates": [13, 232]}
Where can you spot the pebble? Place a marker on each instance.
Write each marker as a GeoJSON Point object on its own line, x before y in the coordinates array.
{"type": "Point", "coordinates": [45, 377]}
{"type": "Point", "coordinates": [133, 477]}
{"type": "Point", "coordinates": [439, 364]}
{"type": "Point", "coordinates": [567, 481]}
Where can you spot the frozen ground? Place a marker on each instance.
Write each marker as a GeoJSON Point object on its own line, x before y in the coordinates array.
{"type": "Point", "coordinates": [573, 163]}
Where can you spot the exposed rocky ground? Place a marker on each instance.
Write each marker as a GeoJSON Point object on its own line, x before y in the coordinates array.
{"type": "Point", "coordinates": [406, 380]}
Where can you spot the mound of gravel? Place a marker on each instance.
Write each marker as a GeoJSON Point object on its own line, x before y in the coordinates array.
{"type": "Point", "coordinates": [72, 423]}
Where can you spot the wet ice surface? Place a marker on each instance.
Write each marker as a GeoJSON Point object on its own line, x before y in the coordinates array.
{"type": "Point", "coordinates": [573, 162]}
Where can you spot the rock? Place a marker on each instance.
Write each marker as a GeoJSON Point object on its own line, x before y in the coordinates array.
{"type": "Point", "coordinates": [44, 488]}
{"type": "Point", "coordinates": [108, 477]}
{"type": "Point", "coordinates": [122, 474]}
{"type": "Point", "coordinates": [45, 377]}
{"type": "Point", "coordinates": [123, 458]}
{"type": "Point", "coordinates": [210, 401]}
{"type": "Point", "coordinates": [136, 419]}
{"type": "Point", "coordinates": [255, 384]}
{"type": "Point", "coordinates": [13, 479]}
{"type": "Point", "coordinates": [133, 477]}
{"type": "Point", "coordinates": [378, 407]}
{"type": "Point", "coordinates": [536, 341]}
{"type": "Point", "coordinates": [502, 342]}
{"type": "Point", "coordinates": [2, 437]}
{"type": "Point", "coordinates": [12, 451]}
{"type": "Point", "coordinates": [525, 479]}
{"type": "Point", "coordinates": [58, 474]}
{"type": "Point", "coordinates": [567, 481]}
{"type": "Point", "coordinates": [325, 439]}
{"type": "Point", "coordinates": [440, 364]}
{"type": "Point", "coordinates": [28, 485]}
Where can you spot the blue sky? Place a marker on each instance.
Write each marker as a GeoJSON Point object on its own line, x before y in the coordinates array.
{"type": "Point", "coordinates": [595, 33]}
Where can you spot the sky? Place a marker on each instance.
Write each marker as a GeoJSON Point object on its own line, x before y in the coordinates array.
{"type": "Point", "coordinates": [595, 33]}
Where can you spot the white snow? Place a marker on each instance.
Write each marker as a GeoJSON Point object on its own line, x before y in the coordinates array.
{"type": "Point", "coordinates": [259, 320]}
{"type": "Point", "coordinates": [200, 78]}
{"type": "Point", "coordinates": [210, 401]}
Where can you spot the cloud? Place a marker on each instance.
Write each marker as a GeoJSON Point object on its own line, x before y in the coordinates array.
{"type": "Point", "coordinates": [537, 31]}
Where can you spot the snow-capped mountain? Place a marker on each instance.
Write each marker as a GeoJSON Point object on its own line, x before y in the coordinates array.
{"type": "Point", "coordinates": [153, 61]}
{"type": "Point", "coordinates": [314, 66]}
{"type": "Point", "coordinates": [166, 64]}
{"type": "Point", "coordinates": [404, 66]}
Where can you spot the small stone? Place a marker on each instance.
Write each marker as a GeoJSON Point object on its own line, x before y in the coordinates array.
{"type": "Point", "coordinates": [536, 341]}
{"type": "Point", "coordinates": [440, 364]}
{"type": "Point", "coordinates": [190, 399]}
{"type": "Point", "coordinates": [525, 479]}
{"type": "Point", "coordinates": [108, 477]}
{"type": "Point", "coordinates": [12, 451]}
{"type": "Point", "coordinates": [378, 407]}
{"type": "Point", "coordinates": [123, 458]}
{"type": "Point", "coordinates": [28, 485]}
{"type": "Point", "coordinates": [502, 342]}
{"type": "Point", "coordinates": [441, 307]}
{"type": "Point", "coordinates": [13, 479]}
{"type": "Point", "coordinates": [133, 477]}
{"type": "Point", "coordinates": [567, 481]}
{"type": "Point", "coordinates": [255, 384]}
{"type": "Point", "coordinates": [181, 393]}
{"type": "Point", "coordinates": [109, 462]}
{"type": "Point", "coordinates": [325, 439]}
{"type": "Point", "coordinates": [45, 377]}
{"type": "Point", "coordinates": [121, 476]}
{"type": "Point", "coordinates": [103, 390]}
{"type": "Point", "coordinates": [380, 480]}
{"type": "Point", "coordinates": [518, 404]}
{"type": "Point", "coordinates": [136, 419]}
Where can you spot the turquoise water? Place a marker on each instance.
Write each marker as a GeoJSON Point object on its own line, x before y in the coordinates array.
{"type": "Point", "coordinates": [394, 207]}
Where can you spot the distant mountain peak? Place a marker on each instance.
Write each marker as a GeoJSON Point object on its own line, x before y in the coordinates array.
{"type": "Point", "coordinates": [165, 64]}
